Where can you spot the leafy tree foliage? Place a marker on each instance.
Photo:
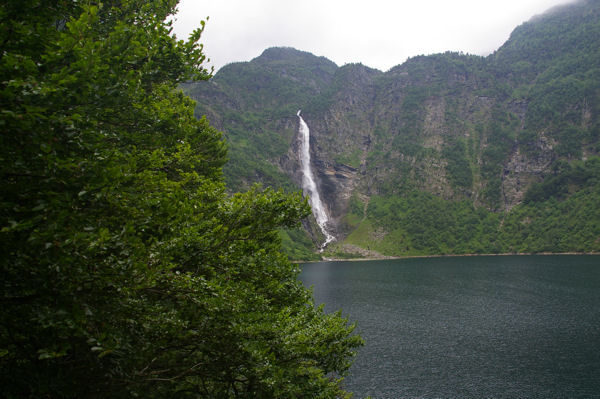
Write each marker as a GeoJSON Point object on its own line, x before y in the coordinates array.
{"type": "Point", "coordinates": [126, 268]}
{"type": "Point", "coordinates": [565, 180]}
{"type": "Point", "coordinates": [458, 167]}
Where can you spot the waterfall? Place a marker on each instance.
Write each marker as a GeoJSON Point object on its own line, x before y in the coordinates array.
{"type": "Point", "coordinates": [308, 182]}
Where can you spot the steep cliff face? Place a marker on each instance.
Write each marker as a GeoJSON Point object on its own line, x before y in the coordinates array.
{"type": "Point", "coordinates": [458, 127]}
{"type": "Point", "coordinates": [342, 135]}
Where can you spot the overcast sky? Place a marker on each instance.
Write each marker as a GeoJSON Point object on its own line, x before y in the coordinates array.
{"type": "Point", "coordinates": [377, 33]}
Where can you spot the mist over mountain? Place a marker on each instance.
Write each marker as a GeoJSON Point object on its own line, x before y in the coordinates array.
{"type": "Point", "coordinates": [446, 153]}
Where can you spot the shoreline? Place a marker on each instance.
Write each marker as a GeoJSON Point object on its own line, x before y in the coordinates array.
{"type": "Point", "coordinates": [448, 256]}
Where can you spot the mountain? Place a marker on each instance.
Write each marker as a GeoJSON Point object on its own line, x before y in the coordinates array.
{"type": "Point", "coordinates": [446, 153]}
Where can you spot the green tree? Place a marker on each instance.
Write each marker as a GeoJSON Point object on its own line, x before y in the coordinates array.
{"type": "Point", "coordinates": [126, 269]}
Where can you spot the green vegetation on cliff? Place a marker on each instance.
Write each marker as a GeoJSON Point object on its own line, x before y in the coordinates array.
{"type": "Point", "coordinates": [480, 140]}
{"type": "Point", "coordinates": [559, 215]}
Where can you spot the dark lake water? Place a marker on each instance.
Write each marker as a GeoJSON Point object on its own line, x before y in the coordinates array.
{"type": "Point", "coordinates": [469, 327]}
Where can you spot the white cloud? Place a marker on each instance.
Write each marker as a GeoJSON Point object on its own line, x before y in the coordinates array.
{"type": "Point", "coordinates": [378, 33]}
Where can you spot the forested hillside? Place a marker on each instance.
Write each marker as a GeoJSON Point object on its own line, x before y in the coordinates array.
{"type": "Point", "coordinates": [446, 153]}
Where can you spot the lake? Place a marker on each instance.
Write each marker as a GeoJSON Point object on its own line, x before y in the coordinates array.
{"type": "Point", "coordinates": [469, 327]}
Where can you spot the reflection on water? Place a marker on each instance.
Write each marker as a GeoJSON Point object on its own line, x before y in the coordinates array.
{"type": "Point", "coordinates": [469, 327]}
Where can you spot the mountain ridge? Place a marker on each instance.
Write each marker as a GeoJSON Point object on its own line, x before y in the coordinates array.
{"type": "Point", "coordinates": [483, 131]}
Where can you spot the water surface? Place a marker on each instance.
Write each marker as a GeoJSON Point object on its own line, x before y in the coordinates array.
{"type": "Point", "coordinates": [469, 327]}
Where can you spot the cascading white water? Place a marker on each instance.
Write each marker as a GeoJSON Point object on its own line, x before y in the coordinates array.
{"type": "Point", "coordinates": [308, 182]}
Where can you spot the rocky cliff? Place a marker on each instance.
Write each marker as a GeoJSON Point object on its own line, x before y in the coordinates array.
{"type": "Point", "coordinates": [461, 128]}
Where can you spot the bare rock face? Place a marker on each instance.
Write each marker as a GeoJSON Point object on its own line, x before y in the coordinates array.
{"type": "Point", "coordinates": [522, 170]}
{"type": "Point", "coordinates": [335, 181]}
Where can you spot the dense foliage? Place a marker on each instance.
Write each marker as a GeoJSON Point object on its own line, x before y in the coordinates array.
{"type": "Point", "coordinates": [127, 270]}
